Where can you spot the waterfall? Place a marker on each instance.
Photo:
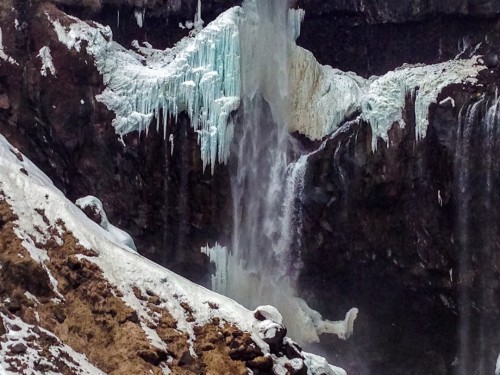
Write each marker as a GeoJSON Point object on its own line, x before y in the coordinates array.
{"type": "Point", "coordinates": [261, 264]}
{"type": "Point", "coordinates": [477, 228]}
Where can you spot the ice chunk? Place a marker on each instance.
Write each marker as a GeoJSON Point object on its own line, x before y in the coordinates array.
{"type": "Point", "coordinates": [321, 97]}
{"type": "Point", "coordinates": [318, 365]}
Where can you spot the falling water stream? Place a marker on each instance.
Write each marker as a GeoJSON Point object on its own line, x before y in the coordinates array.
{"type": "Point", "coordinates": [260, 266]}
{"type": "Point", "coordinates": [477, 232]}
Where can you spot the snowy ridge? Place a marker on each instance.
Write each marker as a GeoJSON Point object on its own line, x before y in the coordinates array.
{"type": "Point", "coordinates": [26, 188]}
{"type": "Point", "coordinates": [199, 75]}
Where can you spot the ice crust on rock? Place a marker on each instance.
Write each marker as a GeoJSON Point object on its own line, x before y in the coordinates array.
{"type": "Point", "coordinates": [321, 97]}
{"type": "Point", "coordinates": [200, 75]}
{"type": "Point", "coordinates": [318, 365]}
{"type": "Point", "coordinates": [385, 100]}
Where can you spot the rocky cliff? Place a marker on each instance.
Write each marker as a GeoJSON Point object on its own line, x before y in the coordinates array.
{"type": "Point", "coordinates": [382, 226]}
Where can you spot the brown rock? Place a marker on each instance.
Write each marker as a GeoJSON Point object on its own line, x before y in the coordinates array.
{"type": "Point", "coordinates": [261, 363]}
{"type": "Point", "coordinates": [18, 348]}
{"type": "Point", "coordinates": [186, 358]}
{"type": "Point", "coordinates": [3, 331]}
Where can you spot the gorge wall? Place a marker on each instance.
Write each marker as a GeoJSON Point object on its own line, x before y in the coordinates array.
{"type": "Point", "coordinates": [380, 228]}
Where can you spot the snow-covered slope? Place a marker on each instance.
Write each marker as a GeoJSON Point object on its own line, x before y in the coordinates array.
{"type": "Point", "coordinates": [68, 279]}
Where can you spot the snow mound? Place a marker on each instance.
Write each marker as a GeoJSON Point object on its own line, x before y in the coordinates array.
{"type": "Point", "coordinates": [97, 210]}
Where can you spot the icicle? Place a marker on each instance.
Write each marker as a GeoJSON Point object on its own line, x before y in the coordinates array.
{"type": "Point", "coordinates": [171, 140]}
{"type": "Point", "coordinates": [139, 16]}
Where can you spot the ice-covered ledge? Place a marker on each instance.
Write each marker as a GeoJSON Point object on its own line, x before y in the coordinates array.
{"type": "Point", "coordinates": [321, 97]}
{"type": "Point", "coordinates": [200, 75]}
{"type": "Point", "coordinates": [384, 103]}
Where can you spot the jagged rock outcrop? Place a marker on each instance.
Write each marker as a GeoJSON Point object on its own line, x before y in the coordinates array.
{"type": "Point", "coordinates": [157, 193]}
{"type": "Point", "coordinates": [371, 38]}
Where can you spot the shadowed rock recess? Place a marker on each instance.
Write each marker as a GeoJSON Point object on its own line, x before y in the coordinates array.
{"type": "Point", "coordinates": [403, 225]}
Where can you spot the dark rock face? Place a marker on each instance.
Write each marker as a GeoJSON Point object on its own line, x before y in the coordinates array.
{"type": "Point", "coordinates": [397, 11]}
{"type": "Point", "coordinates": [159, 195]}
{"type": "Point", "coordinates": [382, 232]}
{"type": "Point", "coordinates": [374, 39]}
{"type": "Point", "coordinates": [380, 229]}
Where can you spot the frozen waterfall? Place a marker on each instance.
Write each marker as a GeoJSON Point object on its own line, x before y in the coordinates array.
{"type": "Point", "coordinates": [259, 266]}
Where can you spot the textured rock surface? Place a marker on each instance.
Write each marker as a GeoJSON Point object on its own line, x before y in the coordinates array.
{"type": "Point", "coordinates": [160, 197]}
{"type": "Point", "coordinates": [382, 35]}
{"type": "Point", "coordinates": [388, 242]}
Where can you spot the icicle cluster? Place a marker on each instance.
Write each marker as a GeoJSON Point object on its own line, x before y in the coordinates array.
{"type": "Point", "coordinates": [200, 75]}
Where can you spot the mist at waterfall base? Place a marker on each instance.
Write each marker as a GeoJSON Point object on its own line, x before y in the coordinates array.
{"type": "Point", "coordinates": [260, 266]}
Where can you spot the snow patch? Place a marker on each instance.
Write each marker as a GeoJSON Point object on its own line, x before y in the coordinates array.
{"type": "Point", "coordinates": [119, 235]}
{"type": "Point", "coordinates": [139, 15]}
{"type": "Point", "coordinates": [318, 365]}
{"type": "Point", "coordinates": [47, 63]}
{"type": "Point", "coordinates": [34, 357]}
{"type": "Point", "coordinates": [3, 55]}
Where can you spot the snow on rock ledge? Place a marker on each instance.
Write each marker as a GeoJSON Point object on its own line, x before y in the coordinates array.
{"type": "Point", "coordinates": [385, 100]}
{"type": "Point", "coordinates": [321, 97]}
